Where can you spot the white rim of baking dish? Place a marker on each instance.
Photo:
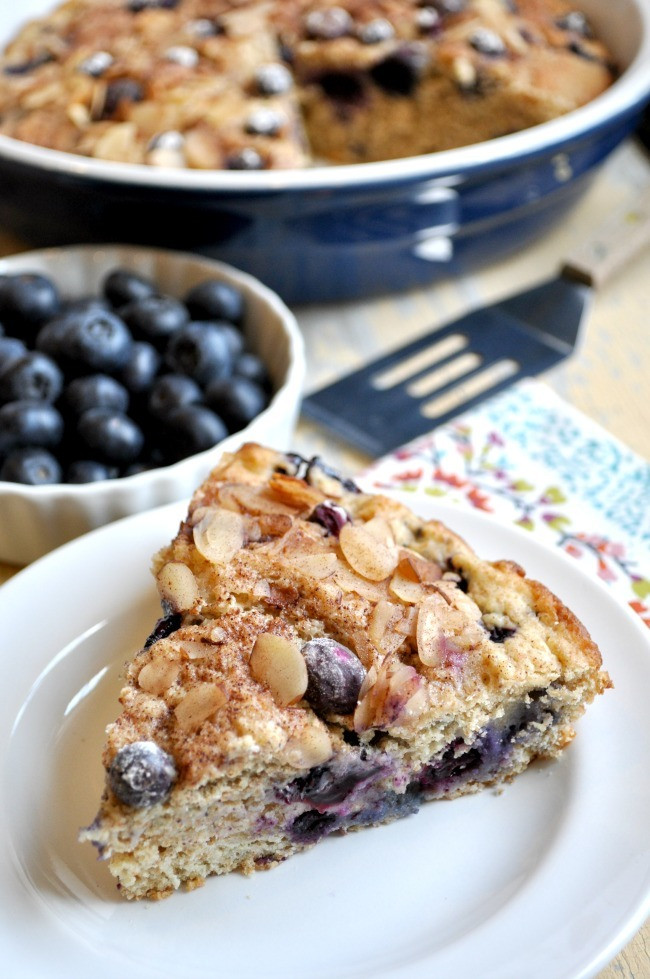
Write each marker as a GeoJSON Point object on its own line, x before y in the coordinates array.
{"type": "Point", "coordinates": [627, 93]}
{"type": "Point", "coordinates": [292, 380]}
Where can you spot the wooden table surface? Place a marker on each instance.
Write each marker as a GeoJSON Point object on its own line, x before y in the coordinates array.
{"type": "Point", "coordinates": [607, 379]}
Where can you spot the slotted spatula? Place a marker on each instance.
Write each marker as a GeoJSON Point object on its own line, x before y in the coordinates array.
{"type": "Point", "coordinates": [454, 367]}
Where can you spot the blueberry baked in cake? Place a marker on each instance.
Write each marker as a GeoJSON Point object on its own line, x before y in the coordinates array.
{"type": "Point", "coordinates": [276, 84]}
{"type": "Point", "coordinates": [325, 661]}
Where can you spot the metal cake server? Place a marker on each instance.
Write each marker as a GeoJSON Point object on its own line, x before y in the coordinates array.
{"type": "Point", "coordinates": [452, 368]}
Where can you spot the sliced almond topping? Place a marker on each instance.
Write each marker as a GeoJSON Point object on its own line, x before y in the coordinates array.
{"type": "Point", "coordinates": [295, 492]}
{"type": "Point", "coordinates": [274, 524]}
{"type": "Point", "coordinates": [158, 675]}
{"type": "Point", "coordinates": [407, 625]}
{"type": "Point", "coordinates": [429, 630]}
{"type": "Point", "coordinates": [445, 632]}
{"type": "Point", "coordinates": [381, 529]}
{"type": "Point", "coordinates": [199, 704]}
{"type": "Point", "coordinates": [366, 553]}
{"type": "Point", "coordinates": [278, 664]}
{"type": "Point", "coordinates": [318, 565]}
{"type": "Point", "coordinates": [349, 581]}
{"type": "Point", "coordinates": [193, 648]}
{"type": "Point", "coordinates": [254, 501]}
{"type": "Point", "coordinates": [405, 584]}
{"type": "Point", "coordinates": [178, 586]}
{"type": "Point", "coordinates": [312, 746]}
{"type": "Point", "coordinates": [384, 615]}
{"type": "Point", "coordinates": [396, 698]}
{"type": "Point", "coordinates": [219, 535]}
{"type": "Point", "coordinates": [425, 571]}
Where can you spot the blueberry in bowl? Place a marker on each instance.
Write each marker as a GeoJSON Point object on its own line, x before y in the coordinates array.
{"type": "Point", "coordinates": [107, 355]}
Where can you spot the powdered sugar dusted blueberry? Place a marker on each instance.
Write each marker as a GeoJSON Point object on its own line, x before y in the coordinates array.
{"type": "Point", "coordinates": [376, 31]}
{"type": "Point", "coordinates": [142, 774]}
{"type": "Point", "coordinates": [335, 676]}
{"type": "Point", "coordinates": [328, 24]}
{"type": "Point", "coordinates": [273, 79]}
{"type": "Point", "coordinates": [488, 42]}
{"type": "Point", "coordinates": [332, 516]}
{"type": "Point", "coordinates": [575, 21]}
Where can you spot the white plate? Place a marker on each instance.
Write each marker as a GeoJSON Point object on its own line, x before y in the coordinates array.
{"type": "Point", "coordinates": [546, 880]}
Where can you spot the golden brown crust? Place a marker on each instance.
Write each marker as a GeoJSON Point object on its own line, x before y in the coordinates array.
{"type": "Point", "coordinates": [179, 85]}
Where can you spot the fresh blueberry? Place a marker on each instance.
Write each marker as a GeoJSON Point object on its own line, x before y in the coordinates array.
{"type": "Point", "coordinates": [50, 336]}
{"type": "Point", "coordinates": [171, 391]}
{"type": "Point", "coordinates": [400, 72]}
{"type": "Point", "coordinates": [135, 468]}
{"type": "Point", "coordinates": [234, 337]}
{"type": "Point", "coordinates": [33, 377]}
{"type": "Point", "coordinates": [215, 300]}
{"type": "Point", "coordinates": [122, 286]}
{"type": "Point", "coordinates": [334, 674]}
{"type": "Point", "coordinates": [236, 400]}
{"type": "Point", "coordinates": [89, 471]}
{"type": "Point", "coordinates": [33, 423]}
{"type": "Point", "coordinates": [332, 516]}
{"type": "Point", "coordinates": [142, 774]}
{"type": "Point", "coordinates": [11, 350]}
{"type": "Point", "coordinates": [154, 318]}
{"type": "Point", "coordinates": [110, 435]}
{"type": "Point", "coordinates": [95, 340]}
{"type": "Point", "coordinates": [95, 391]}
{"type": "Point", "coordinates": [27, 300]}
{"type": "Point", "coordinates": [190, 429]}
{"type": "Point", "coordinates": [163, 628]}
{"type": "Point", "coordinates": [119, 91]}
{"type": "Point", "coordinates": [200, 350]}
{"type": "Point", "coordinates": [140, 369]}
{"type": "Point", "coordinates": [253, 368]}
{"type": "Point", "coordinates": [33, 466]}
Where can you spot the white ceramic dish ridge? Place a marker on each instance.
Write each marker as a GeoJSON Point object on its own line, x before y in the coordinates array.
{"type": "Point", "coordinates": [36, 519]}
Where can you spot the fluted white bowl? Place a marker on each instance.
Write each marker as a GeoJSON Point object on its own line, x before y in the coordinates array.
{"type": "Point", "coordinates": [36, 519]}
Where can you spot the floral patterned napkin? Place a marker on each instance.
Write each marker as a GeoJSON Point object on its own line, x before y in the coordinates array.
{"type": "Point", "coordinates": [530, 458]}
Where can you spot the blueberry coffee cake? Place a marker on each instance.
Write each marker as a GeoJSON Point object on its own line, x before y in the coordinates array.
{"type": "Point", "coordinates": [325, 661]}
{"type": "Point", "coordinates": [267, 84]}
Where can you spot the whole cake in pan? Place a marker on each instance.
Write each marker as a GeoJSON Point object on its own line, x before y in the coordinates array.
{"type": "Point", "coordinates": [267, 84]}
{"type": "Point", "coordinates": [326, 661]}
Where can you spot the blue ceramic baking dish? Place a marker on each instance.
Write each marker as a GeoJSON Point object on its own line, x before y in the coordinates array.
{"type": "Point", "coordinates": [331, 233]}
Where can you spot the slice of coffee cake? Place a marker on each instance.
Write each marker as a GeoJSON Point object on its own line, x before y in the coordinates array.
{"type": "Point", "coordinates": [326, 661]}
